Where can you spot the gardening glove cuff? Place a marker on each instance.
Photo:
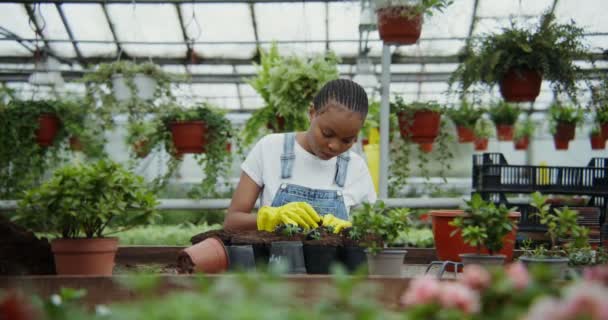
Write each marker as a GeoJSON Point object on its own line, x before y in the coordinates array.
{"type": "Point", "coordinates": [329, 220]}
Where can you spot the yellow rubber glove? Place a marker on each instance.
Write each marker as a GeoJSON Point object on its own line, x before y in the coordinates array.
{"type": "Point", "coordinates": [329, 220]}
{"type": "Point", "coordinates": [295, 213]}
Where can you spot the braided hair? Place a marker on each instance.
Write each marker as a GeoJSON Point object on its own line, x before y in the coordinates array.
{"type": "Point", "coordinates": [345, 92]}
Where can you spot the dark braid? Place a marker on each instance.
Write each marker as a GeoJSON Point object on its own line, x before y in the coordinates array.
{"type": "Point", "coordinates": [342, 91]}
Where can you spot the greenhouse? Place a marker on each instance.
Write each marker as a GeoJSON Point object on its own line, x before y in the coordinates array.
{"type": "Point", "coordinates": [322, 159]}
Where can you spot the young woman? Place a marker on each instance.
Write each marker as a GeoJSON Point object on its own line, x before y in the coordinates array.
{"type": "Point", "coordinates": [307, 178]}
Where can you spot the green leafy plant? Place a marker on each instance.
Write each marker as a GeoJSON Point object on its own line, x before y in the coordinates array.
{"type": "Point", "coordinates": [599, 100]}
{"type": "Point", "coordinates": [595, 131]}
{"type": "Point", "coordinates": [289, 230]}
{"type": "Point", "coordinates": [379, 226]}
{"type": "Point", "coordinates": [427, 7]}
{"type": "Point", "coordinates": [82, 122]}
{"type": "Point", "coordinates": [564, 113]}
{"type": "Point", "coordinates": [549, 50]}
{"type": "Point", "coordinates": [504, 113]}
{"type": "Point", "coordinates": [465, 115]}
{"type": "Point", "coordinates": [524, 129]}
{"type": "Point", "coordinates": [287, 85]}
{"type": "Point", "coordinates": [484, 129]}
{"type": "Point", "coordinates": [83, 200]}
{"type": "Point", "coordinates": [485, 224]}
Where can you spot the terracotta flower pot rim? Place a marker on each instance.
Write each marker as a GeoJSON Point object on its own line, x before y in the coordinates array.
{"type": "Point", "coordinates": [458, 213]}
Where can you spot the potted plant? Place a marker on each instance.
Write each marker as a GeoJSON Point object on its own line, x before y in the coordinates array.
{"type": "Point", "coordinates": [287, 252]}
{"type": "Point", "coordinates": [83, 125]}
{"type": "Point", "coordinates": [563, 120]}
{"type": "Point", "coordinates": [465, 117]}
{"type": "Point", "coordinates": [524, 130]}
{"type": "Point", "coordinates": [560, 224]}
{"type": "Point", "coordinates": [287, 84]}
{"type": "Point", "coordinates": [504, 115]}
{"type": "Point", "coordinates": [77, 204]}
{"type": "Point", "coordinates": [518, 59]}
{"type": "Point", "coordinates": [379, 227]}
{"type": "Point", "coordinates": [400, 21]}
{"type": "Point", "coordinates": [418, 121]}
{"type": "Point", "coordinates": [483, 132]}
{"type": "Point", "coordinates": [599, 104]}
{"type": "Point", "coordinates": [598, 141]}
{"type": "Point", "coordinates": [352, 252]}
{"type": "Point", "coordinates": [484, 226]}
{"type": "Point", "coordinates": [321, 249]}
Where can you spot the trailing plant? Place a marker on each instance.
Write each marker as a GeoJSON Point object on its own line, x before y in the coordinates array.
{"type": "Point", "coordinates": [215, 161]}
{"type": "Point", "coordinates": [524, 129]}
{"type": "Point", "coordinates": [564, 113]}
{"type": "Point", "coordinates": [484, 129]}
{"type": "Point", "coordinates": [485, 225]}
{"type": "Point", "coordinates": [287, 85]}
{"type": "Point", "coordinates": [550, 49]}
{"type": "Point", "coordinates": [504, 113]}
{"type": "Point", "coordinates": [426, 7]}
{"type": "Point", "coordinates": [378, 226]}
{"type": "Point", "coordinates": [599, 100]}
{"type": "Point", "coordinates": [82, 122]}
{"type": "Point", "coordinates": [83, 200]}
{"type": "Point", "coordinates": [465, 115]}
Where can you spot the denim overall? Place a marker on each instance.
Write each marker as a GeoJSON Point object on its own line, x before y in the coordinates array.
{"type": "Point", "coordinates": [323, 201]}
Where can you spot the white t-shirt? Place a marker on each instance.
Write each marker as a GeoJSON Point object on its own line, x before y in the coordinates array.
{"type": "Point", "coordinates": [263, 166]}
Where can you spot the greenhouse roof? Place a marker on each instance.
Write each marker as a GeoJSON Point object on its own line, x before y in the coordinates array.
{"type": "Point", "coordinates": [215, 41]}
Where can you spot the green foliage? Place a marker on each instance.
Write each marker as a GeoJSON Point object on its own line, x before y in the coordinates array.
{"type": "Point", "coordinates": [426, 7]}
{"type": "Point", "coordinates": [380, 226]}
{"type": "Point", "coordinates": [418, 238]}
{"type": "Point", "coordinates": [169, 235]}
{"type": "Point", "coordinates": [83, 199]}
{"type": "Point", "coordinates": [82, 120]}
{"type": "Point", "coordinates": [504, 113]}
{"type": "Point", "coordinates": [524, 128]}
{"type": "Point", "coordinates": [287, 85]}
{"type": "Point", "coordinates": [599, 100]}
{"type": "Point", "coordinates": [288, 230]}
{"type": "Point", "coordinates": [550, 50]}
{"type": "Point", "coordinates": [400, 106]}
{"type": "Point", "coordinates": [484, 225]}
{"type": "Point", "coordinates": [484, 129]}
{"type": "Point", "coordinates": [466, 115]}
{"type": "Point", "coordinates": [564, 113]}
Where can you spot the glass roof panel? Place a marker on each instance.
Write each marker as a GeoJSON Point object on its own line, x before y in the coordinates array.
{"type": "Point", "coordinates": [141, 23]}
{"type": "Point", "coordinates": [433, 48]}
{"type": "Point", "coordinates": [344, 25]}
{"type": "Point", "coordinates": [8, 48]}
{"type": "Point", "coordinates": [14, 19]}
{"type": "Point", "coordinates": [52, 28]}
{"type": "Point", "coordinates": [88, 22]}
{"type": "Point", "coordinates": [452, 22]}
{"type": "Point", "coordinates": [590, 14]}
{"type": "Point", "coordinates": [251, 99]}
{"type": "Point", "coordinates": [512, 7]}
{"type": "Point", "coordinates": [210, 69]}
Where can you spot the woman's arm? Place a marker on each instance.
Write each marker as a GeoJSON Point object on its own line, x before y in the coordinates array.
{"type": "Point", "coordinates": [239, 216]}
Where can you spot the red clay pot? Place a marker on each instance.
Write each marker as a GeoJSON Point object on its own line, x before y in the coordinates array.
{"type": "Point", "coordinates": [208, 256]}
{"type": "Point", "coordinates": [465, 134]}
{"type": "Point", "coordinates": [563, 134]}
{"type": "Point", "coordinates": [598, 142]}
{"type": "Point", "coordinates": [75, 144]}
{"type": "Point", "coordinates": [141, 148]}
{"type": "Point", "coordinates": [423, 129]}
{"type": "Point", "coordinates": [504, 132]}
{"type": "Point", "coordinates": [82, 256]}
{"type": "Point", "coordinates": [449, 247]}
{"type": "Point", "coordinates": [426, 147]}
{"type": "Point", "coordinates": [522, 143]}
{"type": "Point", "coordinates": [604, 127]}
{"type": "Point", "coordinates": [396, 28]}
{"type": "Point", "coordinates": [522, 86]}
{"type": "Point", "coordinates": [481, 144]}
{"type": "Point", "coordinates": [48, 125]}
{"type": "Point", "coordinates": [189, 136]}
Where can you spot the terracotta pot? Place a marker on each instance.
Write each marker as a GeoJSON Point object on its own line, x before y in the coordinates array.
{"type": "Point", "coordinates": [465, 134]}
{"type": "Point", "coordinates": [75, 144]}
{"type": "Point", "coordinates": [426, 147]}
{"type": "Point", "coordinates": [84, 256]}
{"type": "Point", "coordinates": [207, 256]}
{"type": "Point", "coordinates": [279, 126]}
{"type": "Point", "coordinates": [604, 127]}
{"type": "Point", "coordinates": [521, 85]}
{"type": "Point", "coordinates": [563, 134]}
{"type": "Point", "coordinates": [141, 148]}
{"type": "Point", "coordinates": [48, 125]}
{"type": "Point", "coordinates": [598, 142]}
{"type": "Point", "coordinates": [481, 144]}
{"type": "Point", "coordinates": [522, 143]}
{"type": "Point", "coordinates": [423, 129]}
{"type": "Point", "coordinates": [189, 136]}
{"type": "Point", "coordinates": [504, 132]}
{"type": "Point", "coordinates": [449, 247]}
{"type": "Point", "coordinates": [396, 28]}
{"type": "Point", "coordinates": [228, 147]}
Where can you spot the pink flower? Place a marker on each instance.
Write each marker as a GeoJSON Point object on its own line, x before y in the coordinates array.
{"type": "Point", "coordinates": [585, 299]}
{"type": "Point", "coordinates": [421, 291]}
{"type": "Point", "coordinates": [545, 308]}
{"type": "Point", "coordinates": [597, 274]}
{"type": "Point", "coordinates": [518, 275]}
{"type": "Point", "coordinates": [458, 296]}
{"type": "Point", "coordinates": [476, 277]}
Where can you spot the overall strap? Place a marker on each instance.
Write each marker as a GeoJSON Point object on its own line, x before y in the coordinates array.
{"type": "Point", "coordinates": [288, 156]}
{"type": "Point", "coordinates": [341, 169]}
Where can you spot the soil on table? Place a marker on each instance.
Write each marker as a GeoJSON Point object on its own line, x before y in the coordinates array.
{"type": "Point", "coordinates": [255, 237]}
{"type": "Point", "coordinates": [224, 235]}
{"type": "Point", "coordinates": [328, 239]}
{"type": "Point", "coordinates": [366, 239]}
{"type": "Point", "coordinates": [22, 253]}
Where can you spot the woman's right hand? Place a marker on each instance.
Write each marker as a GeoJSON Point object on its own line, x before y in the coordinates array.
{"type": "Point", "coordinates": [294, 213]}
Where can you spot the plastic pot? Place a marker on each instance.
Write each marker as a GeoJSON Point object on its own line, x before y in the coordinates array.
{"type": "Point", "coordinates": [189, 136]}
{"type": "Point", "coordinates": [423, 128]}
{"type": "Point", "coordinates": [557, 265]}
{"type": "Point", "coordinates": [504, 132]}
{"type": "Point", "coordinates": [352, 257]}
{"type": "Point", "coordinates": [289, 254]}
{"type": "Point", "coordinates": [48, 125]}
{"type": "Point", "coordinates": [318, 259]}
{"type": "Point", "coordinates": [597, 142]}
{"type": "Point", "coordinates": [481, 144]}
{"type": "Point", "coordinates": [520, 85]}
{"type": "Point", "coordinates": [465, 134]}
{"type": "Point", "coordinates": [396, 27]}
{"type": "Point", "coordinates": [208, 256]}
{"type": "Point", "coordinates": [482, 259]}
{"type": "Point", "coordinates": [426, 147]}
{"type": "Point", "coordinates": [144, 87]}
{"type": "Point", "coordinates": [84, 256]}
{"type": "Point", "coordinates": [241, 258]}
{"type": "Point", "coordinates": [522, 143]}
{"type": "Point", "coordinates": [604, 128]}
{"type": "Point", "coordinates": [387, 262]}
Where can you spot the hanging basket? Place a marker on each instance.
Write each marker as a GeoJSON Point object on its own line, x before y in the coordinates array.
{"type": "Point", "coordinates": [189, 136]}
{"type": "Point", "coordinates": [396, 27]}
{"type": "Point", "coordinates": [465, 134]}
{"type": "Point", "coordinates": [522, 143]}
{"type": "Point", "coordinates": [504, 132]}
{"type": "Point", "coordinates": [75, 144]}
{"type": "Point", "coordinates": [598, 142]}
{"type": "Point", "coordinates": [426, 147]}
{"type": "Point", "coordinates": [520, 85]}
{"type": "Point", "coordinates": [563, 134]}
{"type": "Point", "coordinates": [423, 128]}
{"type": "Point", "coordinates": [144, 86]}
{"type": "Point", "coordinates": [48, 125]}
{"type": "Point", "coordinates": [481, 144]}
{"type": "Point", "coordinates": [604, 128]}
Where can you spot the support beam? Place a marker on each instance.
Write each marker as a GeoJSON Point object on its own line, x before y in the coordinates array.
{"type": "Point", "coordinates": [238, 89]}
{"type": "Point", "coordinates": [254, 25]}
{"type": "Point", "coordinates": [326, 26]}
{"type": "Point", "coordinates": [70, 34]}
{"type": "Point", "coordinates": [178, 1]}
{"type": "Point", "coordinates": [189, 47]}
{"type": "Point", "coordinates": [384, 122]}
{"type": "Point", "coordinates": [32, 16]}
{"type": "Point", "coordinates": [120, 52]}
{"type": "Point", "coordinates": [473, 23]}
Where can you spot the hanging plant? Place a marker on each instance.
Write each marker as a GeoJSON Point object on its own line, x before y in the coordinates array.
{"type": "Point", "coordinates": [287, 85]}
{"type": "Point", "coordinates": [504, 115]}
{"type": "Point", "coordinates": [519, 58]}
{"type": "Point", "coordinates": [483, 131]}
{"type": "Point", "coordinates": [418, 121]}
{"type": "Point", "coordinates": [599, 104]}
{"type": "Point", "coordinates": [524, 130]}
{"type": "Point", "coordinates": [83, 126]}
{"type": "Point", "coordinates": [563, 121]}
{"type": "Point", "coordinates": [597, 140]}
{"type": "Point", "coordinates": [464, 117]}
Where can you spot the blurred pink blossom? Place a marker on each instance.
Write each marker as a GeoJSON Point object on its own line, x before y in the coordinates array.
{"type": "Point", "coordinates": [476, 277]}
{"type": "Point", "coordinates": [518, 273]}
{"type": "Point", "coordinates": [420, 291]}
{"type": "Point", "coordinates": [545, 308]}
{"type": "Point", "coordinates": [597, 274]}
{"type": "Point", "coordinates": [459, 296]}
{"type": "Point", "coordinates": [585, 299]}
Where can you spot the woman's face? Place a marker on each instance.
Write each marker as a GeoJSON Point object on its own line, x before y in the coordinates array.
{"type": "Point", "coordinates": [333, 130]}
